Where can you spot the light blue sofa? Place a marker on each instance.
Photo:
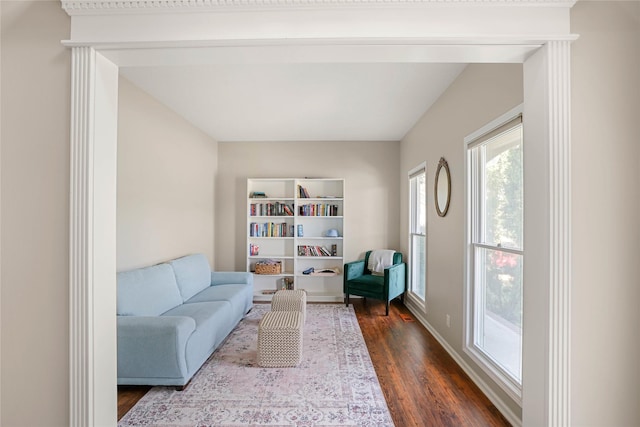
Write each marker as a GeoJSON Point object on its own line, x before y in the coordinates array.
{"type": "Point", "coordinates": [172, 316]}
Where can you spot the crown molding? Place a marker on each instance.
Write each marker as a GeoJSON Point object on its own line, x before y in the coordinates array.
{"type": "Point", "coordinates": [108, 7]}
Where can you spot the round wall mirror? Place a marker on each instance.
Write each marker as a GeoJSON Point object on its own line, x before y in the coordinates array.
{"type": "Point", "coordinates": [442, 187]}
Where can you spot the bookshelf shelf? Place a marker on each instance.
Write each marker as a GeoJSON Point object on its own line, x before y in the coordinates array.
{"type": "Point", "coordinates": [318, 257]}
{"type": "Point", "coordinates": [271, 238]}
{"type": "Point", "coordinates": [300, 212]}
{"type": "Point", "coordinates": [269, 257]}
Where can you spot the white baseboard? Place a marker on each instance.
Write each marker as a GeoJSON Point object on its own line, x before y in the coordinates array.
{"type": "Point", "coordinates": [491, 395]}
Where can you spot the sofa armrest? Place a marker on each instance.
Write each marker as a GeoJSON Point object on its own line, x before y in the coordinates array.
{"type": "Point", "coordinates": [230, 278]}
{"type": "Point", "coordinates": [153, 346]}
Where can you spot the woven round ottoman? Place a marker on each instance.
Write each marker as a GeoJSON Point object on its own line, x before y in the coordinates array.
{"type": "Point", "coordinates": [290, 300]}
{"type": "Point", "coordinates": [280, 339]}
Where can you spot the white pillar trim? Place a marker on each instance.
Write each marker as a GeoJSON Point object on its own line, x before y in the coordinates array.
{"type": "Point", "coordinates": [81, 284]}
{"type": "Point", "coordinates": [92, 331]}
{"type": "Point", "coordinates": [560, 233]}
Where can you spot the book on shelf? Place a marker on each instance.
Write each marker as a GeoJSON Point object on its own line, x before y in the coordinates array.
{"type": "Point", "coordinates": [257, 195]}
{"type": "Point", "coordinates": [318, 209]}
{"type": "Point", "coordinates": [309, 250]}
{"type": "Point", "coordinates": [270, 209]}
{"type": "Point", "coordinates": [254, 250]}
{"type": "Point", "coordinates": [302, 192]}
{"type": "Point", "coordinates": [270, 229]}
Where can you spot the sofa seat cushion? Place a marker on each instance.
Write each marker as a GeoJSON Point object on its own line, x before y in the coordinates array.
{"type": "Point", "coordinates": [236, 294]}
{"type": "Point", "coordinates": [147, 291]}
{"type": "Point", "coordinates": [213, 322]}
{"type": "Point", "coordinates": [192, 273]}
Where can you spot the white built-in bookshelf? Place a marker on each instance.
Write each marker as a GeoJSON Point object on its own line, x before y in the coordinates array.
{"type": "Point", "coordinates": [288, 225]}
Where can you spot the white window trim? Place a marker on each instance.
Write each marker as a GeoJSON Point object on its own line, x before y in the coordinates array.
{"type": "Point", "coordinates": [415, 300]}
{"type": "Point", "coordinates": [496, 373]}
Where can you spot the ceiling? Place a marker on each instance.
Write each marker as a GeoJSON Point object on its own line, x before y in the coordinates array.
{"type": "Point", "coordinates": [298, 101]}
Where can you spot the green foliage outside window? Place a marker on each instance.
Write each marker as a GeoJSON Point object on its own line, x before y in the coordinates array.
{"type": "Point", "coordinates": [504, 228]}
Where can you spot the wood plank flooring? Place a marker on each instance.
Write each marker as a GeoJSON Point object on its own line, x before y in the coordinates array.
{"type": "Point", "coordinates": [422, 384]}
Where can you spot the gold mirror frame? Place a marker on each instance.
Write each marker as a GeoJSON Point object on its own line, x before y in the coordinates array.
{"type": "Point", "coordinates": [442, 210]}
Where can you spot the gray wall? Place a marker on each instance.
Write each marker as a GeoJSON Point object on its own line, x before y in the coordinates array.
{"type": "Point", "coordinates": [371, 189]}
{"type": "Point", "coordinates": [166, 171]}
{"type": "Point", "coordinates": [35, 214]}
{"type": "Point", "coordinates": [481, 93]}
{"type": "Point", "coordinates": [605, 317]}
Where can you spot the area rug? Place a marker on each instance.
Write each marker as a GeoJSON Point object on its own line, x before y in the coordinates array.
{"type": "Point", "coordinates": [335, 385]}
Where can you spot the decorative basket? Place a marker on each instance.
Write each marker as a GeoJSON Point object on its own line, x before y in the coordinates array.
{"type": "Point", "coordinates": [271, 267]}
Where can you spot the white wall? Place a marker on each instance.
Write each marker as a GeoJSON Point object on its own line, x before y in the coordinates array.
{"type": "Point", "coordinates": [605, 350]}
{"type": "Point", "coordinates": [370, 170]}
{"type": "Point", "coordinates": [35, 214]}
{"type": "Point", "coordinates": [166, 173]}
{"type": "Point", "coordinates": [481, 93]}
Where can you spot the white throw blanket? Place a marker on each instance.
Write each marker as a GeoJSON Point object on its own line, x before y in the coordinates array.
{"type": "Point", "coordinates": [380, 259]}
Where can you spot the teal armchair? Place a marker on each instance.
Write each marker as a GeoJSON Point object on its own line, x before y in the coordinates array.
{"type": "Point", "coordinates": [359, 281]}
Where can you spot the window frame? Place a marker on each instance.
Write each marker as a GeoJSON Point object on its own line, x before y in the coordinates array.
{"type": "Point", "coordinates": [421, 169]}
{"type": "Point", "coordinates": [505, 380]}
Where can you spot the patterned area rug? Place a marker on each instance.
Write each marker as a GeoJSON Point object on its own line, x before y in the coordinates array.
{"type": "Point", "coordinates": [335, 385]}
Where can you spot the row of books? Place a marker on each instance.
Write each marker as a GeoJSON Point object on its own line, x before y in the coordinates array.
{"type": "Point", "coordinates": [318, 209]}
{"type": "Point", "coordinates": [270, 229]}
{"type": "Point", "coordinates": [307, 250]}
{"type": "Point", "coordinates": [271, 209]}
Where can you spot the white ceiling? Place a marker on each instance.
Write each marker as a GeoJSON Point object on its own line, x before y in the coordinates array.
{"type": "Point", "coordinates": [298, 101]}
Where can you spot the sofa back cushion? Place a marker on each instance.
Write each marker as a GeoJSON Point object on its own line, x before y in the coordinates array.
{"type": "Point", "coordinates": [193, 274]}
{"type": "Point", "coordinates": [148, 291]}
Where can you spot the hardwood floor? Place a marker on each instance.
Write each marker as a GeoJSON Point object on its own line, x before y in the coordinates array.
{"type": "Point", "coordinates": [128, 395]}
{"type": "Point", "coordinates": [422, 384]}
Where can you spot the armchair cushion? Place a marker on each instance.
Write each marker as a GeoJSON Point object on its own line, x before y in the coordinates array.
{"type": "Point", "coordinates": [367, 282]}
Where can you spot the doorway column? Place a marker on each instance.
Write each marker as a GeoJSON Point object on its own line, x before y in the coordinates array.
{"type": "Point", "coordinates": [547, 305]}
{"type": "Point", "coordinates": [94, 113]}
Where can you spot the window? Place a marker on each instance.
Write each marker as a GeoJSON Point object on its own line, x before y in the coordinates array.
{"type": "Point", "coordinates": [417, 233]}
{"type": "Point", "coordinates": [496, 251]}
